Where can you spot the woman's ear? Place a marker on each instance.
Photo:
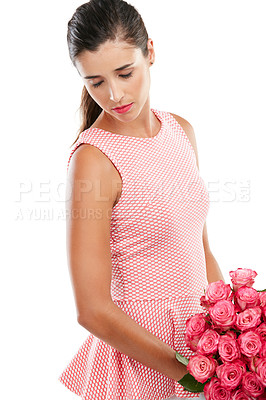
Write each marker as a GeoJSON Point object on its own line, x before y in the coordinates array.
{"type": "Point", "coordinates": [151, 51]}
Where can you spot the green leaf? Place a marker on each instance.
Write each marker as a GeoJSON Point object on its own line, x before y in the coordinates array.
{"type": "Point", "coordinates": [191, 384]}
{"type": "Point", "coordinates": [181, 359]}
{"type": "Point", "coordinates": [263, 290]}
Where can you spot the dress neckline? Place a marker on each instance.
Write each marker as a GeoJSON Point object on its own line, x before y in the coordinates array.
{"type": "Point", "coordinates": [152, 138]}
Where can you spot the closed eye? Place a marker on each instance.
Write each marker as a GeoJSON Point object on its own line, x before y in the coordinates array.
{"type": "Point", "coordinates": [122, 76]}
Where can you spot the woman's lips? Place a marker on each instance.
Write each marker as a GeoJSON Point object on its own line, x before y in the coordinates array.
{"type": "Point", "coordinates": [123, 109]}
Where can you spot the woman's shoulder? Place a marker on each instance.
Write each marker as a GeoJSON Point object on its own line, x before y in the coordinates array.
{"type": "Point", "coordinates": [189, 131]}
{"type": "Point", "coordinates": [90, 168]}
{"type": "Point", "coordinates": [90, 160]}
{"type": "Point", "coordinates": [187, 127]}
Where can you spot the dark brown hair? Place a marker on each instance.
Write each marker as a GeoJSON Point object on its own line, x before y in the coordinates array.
{"type": "Point", "coordinates": [92, 24]}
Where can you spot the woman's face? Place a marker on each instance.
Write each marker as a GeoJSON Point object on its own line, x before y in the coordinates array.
{"type": "Point", "coordinates": [116, 75]}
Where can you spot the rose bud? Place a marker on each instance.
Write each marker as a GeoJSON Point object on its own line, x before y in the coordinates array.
{"type": "Point", "coordinates": [204, 303]}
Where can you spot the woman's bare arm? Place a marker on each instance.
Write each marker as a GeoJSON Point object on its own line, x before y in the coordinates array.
{"type": "Point", "coordinates": [92, 192]}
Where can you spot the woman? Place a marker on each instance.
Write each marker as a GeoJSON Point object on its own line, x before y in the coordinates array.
{"type": "Point", "coordinates": [137, 244]}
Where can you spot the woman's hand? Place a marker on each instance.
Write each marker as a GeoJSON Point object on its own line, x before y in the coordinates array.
{"type": "Point", "coordinates": [180, 370]}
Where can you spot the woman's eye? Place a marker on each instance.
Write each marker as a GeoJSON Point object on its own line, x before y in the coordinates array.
{"type": "Point", "coordinates": [127, 75]}
{"type": "Point", "coordinates": [95, 85]}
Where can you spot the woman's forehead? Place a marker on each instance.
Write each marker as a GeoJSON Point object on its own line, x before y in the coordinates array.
{"type": "Point", "coordinates": [108, 57]}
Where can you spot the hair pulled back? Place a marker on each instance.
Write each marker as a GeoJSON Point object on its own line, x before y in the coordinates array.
{"type": "Point", "coordinates": [92, 24]}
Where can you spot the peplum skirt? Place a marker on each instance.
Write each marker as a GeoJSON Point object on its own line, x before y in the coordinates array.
{"type": "Point", "coordinates": [97, 371]}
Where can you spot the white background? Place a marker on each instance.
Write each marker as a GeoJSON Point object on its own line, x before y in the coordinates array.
{"type": "Point", "coordinates": [209, 69]}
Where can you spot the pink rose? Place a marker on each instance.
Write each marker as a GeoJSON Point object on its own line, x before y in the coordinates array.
{"type": "Point", "coordinates": [249, 318]}
{"type": "Point", "coordinates": [241, 277]}
{"type": "Point", "coordinates": [262, 352]}
{"type": "Point", "coordinates": [223, 314]}
{"type": "Point", "coordinates": [251, 384]}
{"type": "Point", "coordinates": [230, 375]}
{"type": "Point", "coordinates": [195, 327]}
{"type": "Point", "coordinates": [247, 297]}
{"type": "Point", "coordinates": [228, 348]}
{"type": "Point", "coordinates": [238, 394]}
{"type": "Point", "coordinates": [231, 334]}
{"type": "Point", "coordinates": [204, 303]}
{"type": "Point", "coordinates": [208, 343]}
{"type": "Point", "coordinates": [261, 370]}
{"type": "Point", "coordinates": [250, 343]}
{"type": "Point", "coordinates": [191, 342]}
{"type": "Point", "coordinates": [214, 391]}
{"type": "Point", "coordinates": [253, 362]}
{"type": "Point", "coordinates": [241, 364]}
{"type": "Point", "coordinates": [261, 330]}
{"type": "Point", "coordinates": [202, 367]}
{"type": "Point", "coordinates": [264, 313]}
{"type": "Point", "coordinates": [262, 296]}
{"type": "Point", "coordinates": [218, 290]}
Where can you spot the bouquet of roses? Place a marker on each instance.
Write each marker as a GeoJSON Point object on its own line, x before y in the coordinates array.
{"type": "Point", "coordinates": [229, 340]}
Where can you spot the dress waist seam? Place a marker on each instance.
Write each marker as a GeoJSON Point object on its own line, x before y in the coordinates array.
{"type": "Point", "coordinates": [158, 298]}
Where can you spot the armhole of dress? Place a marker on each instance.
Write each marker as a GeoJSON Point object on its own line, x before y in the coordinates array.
{"type": "Point", "coordinates": [71, 153]}
{"type": "Point", "coordinates": [106, 155]}
{"type": "Point", "coordinates": [177, 125]}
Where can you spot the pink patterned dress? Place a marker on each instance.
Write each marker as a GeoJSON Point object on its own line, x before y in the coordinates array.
{"type": "Point", "coordinates": [158, 259]}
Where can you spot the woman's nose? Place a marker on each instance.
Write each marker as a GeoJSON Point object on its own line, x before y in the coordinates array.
{"type": "Point", "coordinates": [115, 93]}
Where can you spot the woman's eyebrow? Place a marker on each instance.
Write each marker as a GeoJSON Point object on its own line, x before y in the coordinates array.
{"type": "Point", "coordinates": [117, 69]}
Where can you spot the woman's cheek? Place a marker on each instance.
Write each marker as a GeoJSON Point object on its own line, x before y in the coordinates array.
{"type": "Point", "coordinates": [142, 84]}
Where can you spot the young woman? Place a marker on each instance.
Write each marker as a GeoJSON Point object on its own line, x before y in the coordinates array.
{"type": "Point", "coordinates": [137, 242]}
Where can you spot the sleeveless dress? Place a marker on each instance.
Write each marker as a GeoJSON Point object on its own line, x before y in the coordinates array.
{"type": "Point", "coordinates": [158, 259]}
